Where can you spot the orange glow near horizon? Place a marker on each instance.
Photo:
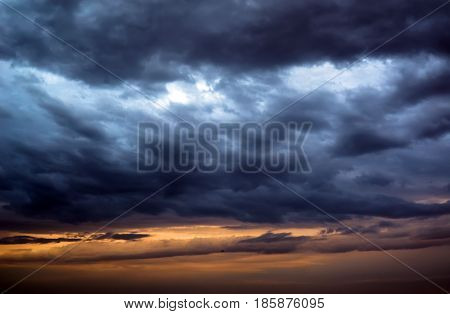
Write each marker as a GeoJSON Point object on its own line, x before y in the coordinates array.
{"type": "Point", "coordinates": [223, 258]}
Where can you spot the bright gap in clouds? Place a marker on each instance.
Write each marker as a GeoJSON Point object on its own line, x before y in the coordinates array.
{"type": "Point", "coordinates": [199, 91]}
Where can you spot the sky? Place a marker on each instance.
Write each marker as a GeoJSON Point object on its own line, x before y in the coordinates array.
{"type": "Point", "coordinates": [77, 77]}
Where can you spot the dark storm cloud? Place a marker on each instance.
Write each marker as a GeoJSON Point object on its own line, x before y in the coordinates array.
{"type": "Point", "coordinates": [361, 142]}
{"type": "Point", "coordinates": [437, 126]}
{"type": "Point", "coordinates": [74, 160]}
{"type": "Point", "coordinates": [76, 125]}
{"type": "Point", "coordinates": [63, 162]}
{"type": "Point", "coordinates": [434, 234]}
{"type": "Point", "coordinates": [121, 236]}
{"type": "Point", "coordinates": [270, 243]}
{"type": "Point", "coordinates": [272, 237]}
{"type": "Point", "coordinates": [369, 229]}
{"type": "Point", "coordinates": [34, 240]}
{"type": "Point", "coordinates": [23, 239]}
{"type": "Point", "coordinates": [374, 179]}
{"type": "Point", "coordinates": [419, 87]}
{"type": "Point", "coordinates": [147, 39]}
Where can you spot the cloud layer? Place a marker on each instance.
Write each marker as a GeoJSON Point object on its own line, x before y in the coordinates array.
{"type": "Point", "coordinates": [380, 136]}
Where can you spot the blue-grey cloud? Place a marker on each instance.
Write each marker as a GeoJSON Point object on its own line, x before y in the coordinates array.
{"type": "Point", "coordinates": [69, 129]}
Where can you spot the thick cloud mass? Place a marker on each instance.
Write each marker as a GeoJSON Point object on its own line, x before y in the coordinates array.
{"type": "Point", "coordinates": [151, 40]}
{"type": "Point", "coordinates": [380, 139]}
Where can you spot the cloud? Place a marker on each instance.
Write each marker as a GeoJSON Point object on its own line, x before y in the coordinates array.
{"type": "Point", "coordinates": [77, 164]}
{"type": "Point", "coordinates": [24, 239]}
{"type": "Point", "coordinates": [363, 141]}
{"type": "Point", "coordinates": [270, 243]}
{"type": "Point", "coordinates": [34, 240]}
{"type": "Point", "coordinates": [374, 179]}
{"type": "Point", "coordinates": [121, 236]}
{"type": "Point", "coordinates": [434, 234]}
{"type": "Point", "coordinates": [438, 126]}
{"type": "Point", "coordinates": [270, 237]}
{"type": "Point", "coordinates": [73, 124]}
{"type": "Point", "coordinates": [153, 40]}
{"type": "Point", "coordinates": [69, 129]}
{"type": "Point", "coordinates": [375, 228]}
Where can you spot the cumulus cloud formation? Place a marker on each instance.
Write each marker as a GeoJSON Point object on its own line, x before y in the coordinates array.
{"type": "Point", "coordinates": [153, 39]}
{"type": "Point", "coordinates": [380, 136]}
